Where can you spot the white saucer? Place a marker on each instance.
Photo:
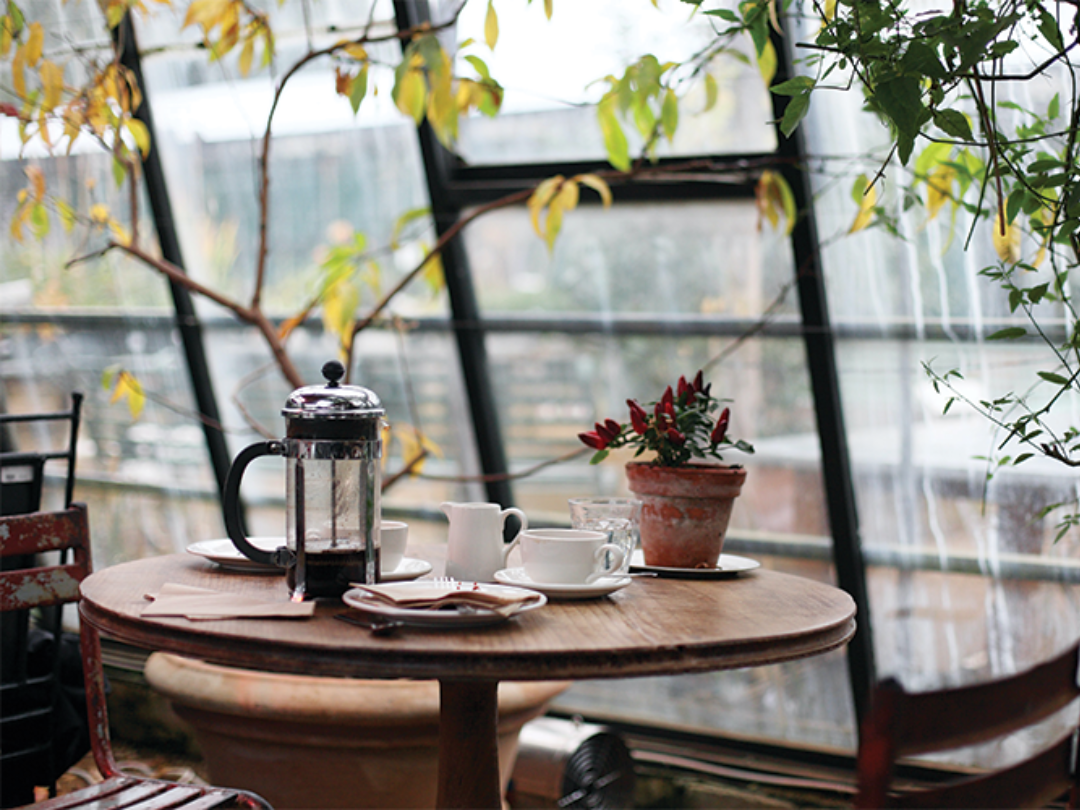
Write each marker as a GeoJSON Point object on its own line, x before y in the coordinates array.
{"type": "Point", "coordinates": [602, 586]}
{"type": "Point", "coordinates": [225, 554]}
{"type": "Point", "coordinates": [728, 565]}
{"type": "Point", "coordinates": [228, 556]}
{"type": "Point", "coordinates": [408, 568]}
{"type": "Point", "coordinates": [455, 616]}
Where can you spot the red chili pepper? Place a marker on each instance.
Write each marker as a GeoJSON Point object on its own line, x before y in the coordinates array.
{"type": "Point", "coordinates": [668, 401]}
{"type": "Point", "coordinates": [639, 419]}
{"type": "Point", "coordinates": [593, 440]}
{"type": "Point", "coordinates": [605, 431]}
{"type": "Point", "coordinates": [720, 430]}
{"type": "Point", "coordinates": [675, 436]}
{"type": "Point", "coordinates": [9, 110]}
{"type": "Point", "coordinates": [686, 392]}
{"type": "Point", "coordinates": [699, 381]}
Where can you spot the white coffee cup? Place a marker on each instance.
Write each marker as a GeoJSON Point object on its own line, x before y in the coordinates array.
{"type": "Point", "coordinates": [394, 535]}
{"type": "Point", "coordinates": [568, 556]}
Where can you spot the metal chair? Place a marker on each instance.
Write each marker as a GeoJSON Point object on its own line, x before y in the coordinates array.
{"type": "Point", "coordinates": [44, 585]}
{"type": "Point", "coordinates": [902, 724]}
{"type": "Point", "coordinates": [37, 745]}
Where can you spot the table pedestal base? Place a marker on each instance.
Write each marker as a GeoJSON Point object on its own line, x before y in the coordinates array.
{"type": "Point", "coordinates": [468, 745]}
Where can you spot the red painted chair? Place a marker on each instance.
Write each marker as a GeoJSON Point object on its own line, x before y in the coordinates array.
{"type": "Point", "coordinates": [27, 588]}
{"type": "Point", "coordinates": [902, 724]}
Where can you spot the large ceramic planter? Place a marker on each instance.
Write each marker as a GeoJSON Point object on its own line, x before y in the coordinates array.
{"type": "Point", "coordinates": [304, 742]}
{"type": "Point", "coordinates": [685, 511]}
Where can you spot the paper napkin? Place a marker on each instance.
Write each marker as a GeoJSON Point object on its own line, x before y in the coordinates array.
{"type": "Point", "coordinates": [204, 604]}
{"type": "Point", "coordinates": [421, 596]}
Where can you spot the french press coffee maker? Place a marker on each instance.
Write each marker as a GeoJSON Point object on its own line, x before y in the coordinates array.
{"type": "Point", "coordinates": [333, 446]}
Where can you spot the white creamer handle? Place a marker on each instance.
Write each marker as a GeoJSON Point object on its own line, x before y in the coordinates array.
{"type": "Point", "coordinates": [524, 525]}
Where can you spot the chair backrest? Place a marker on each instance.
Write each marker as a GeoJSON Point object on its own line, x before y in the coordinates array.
{"type": "Point", "coordinates": [30, 687]}
{"type": "Point", "coordinates": [902, 724]}
{"type": "Point", "coordinates": [39, 533]}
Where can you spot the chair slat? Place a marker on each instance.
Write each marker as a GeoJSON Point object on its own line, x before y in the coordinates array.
{"type": "Point", "coordinates": [1035, 782]}
{"type": "Point", "coordinates": [40, 587]}
{"type": "Point", "coordinates": [39, 532]}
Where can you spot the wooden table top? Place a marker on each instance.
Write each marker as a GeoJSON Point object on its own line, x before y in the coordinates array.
{"type": "Point", "coordinates": [653, 626]}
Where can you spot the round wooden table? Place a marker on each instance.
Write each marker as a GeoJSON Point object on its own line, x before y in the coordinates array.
{"type": "Point", "coordinates": [654, 626]}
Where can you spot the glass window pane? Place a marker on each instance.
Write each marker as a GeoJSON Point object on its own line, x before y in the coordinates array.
{"type": "Point", "coordinates": [553, 74]}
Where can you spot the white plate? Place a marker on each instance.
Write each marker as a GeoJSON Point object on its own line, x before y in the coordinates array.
{"type": "Point", "coordinates": [727, 565]}
{"type": "Point", "coordinates": [457, 616]}
{"type": "Point", "coordinates": [602, 587]}
{"type": "Point", "coordinates": [408, 568]}
{"type": "Point", "coordinates": [225, 554]}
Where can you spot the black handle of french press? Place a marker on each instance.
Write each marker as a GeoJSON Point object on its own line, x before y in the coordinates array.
{"type": "Point", "coordinates": [231, 502]}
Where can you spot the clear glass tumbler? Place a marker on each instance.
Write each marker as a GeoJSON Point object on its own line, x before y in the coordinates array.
{"type": "Point", "coordinates": [620, 518]}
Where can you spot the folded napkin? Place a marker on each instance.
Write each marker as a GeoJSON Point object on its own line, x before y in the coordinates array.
{"type": "Point", "coordinates": [203, 604]}
{"type": "Point", "coordinates": [424, 596]}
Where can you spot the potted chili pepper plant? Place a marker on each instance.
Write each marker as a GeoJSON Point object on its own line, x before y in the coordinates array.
{"type": "Point", "coordinates": [686, 495]}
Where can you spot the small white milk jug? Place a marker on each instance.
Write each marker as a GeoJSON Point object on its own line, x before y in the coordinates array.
{"type": "Point", "coordinates": [476, 549]}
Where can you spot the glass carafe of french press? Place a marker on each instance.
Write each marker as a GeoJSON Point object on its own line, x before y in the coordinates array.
{"type": "Point", "coordinates": [333, 447]}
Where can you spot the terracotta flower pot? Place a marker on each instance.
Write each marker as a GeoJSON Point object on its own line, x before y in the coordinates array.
{"type": "Point", "coordinates": [685, 511]}
{"type": "Point", "coordinates": [319, 743]}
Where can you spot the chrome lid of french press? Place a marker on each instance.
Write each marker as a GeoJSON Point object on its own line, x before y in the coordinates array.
{"type": "Point", "coordinates": [332, 411]}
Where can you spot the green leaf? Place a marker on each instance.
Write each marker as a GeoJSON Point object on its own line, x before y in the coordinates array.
{"type": "Point", "coordinates": [953, 123]}
{"type": "Point", "coordinates": [794, 113]}
{"type": "Point", "coordinates": [669, 114]}
{"type": "Point", "coordinates": [39, 220]}
{"type": "Point", "coordinates": [119, 171]}
{"type": "Point", "coordinates": [598, 456]}
{"type": "Point", "coordinates": [358, 88]}
{"type": "Point", "coordinates": [921, 59]}
{"type": "Point", "coordinates": [794, 87]}
{"type": "Point", "coordinates": [1054, 108]}
{"type": "Point", "coordinates": [480, 66]}
{"type": "Point", "coordinates": [1048, 27]}
{"type": "Point", "coordinates": [1009, 333]}
{"type": "Point", "coordinates": [618, 150]}
{"type": "Point", "coordinates": [1051, 377]}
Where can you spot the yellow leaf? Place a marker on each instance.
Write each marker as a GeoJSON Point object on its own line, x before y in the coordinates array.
{"type": "Point", "coordinates": [554, 223]}
{"type": "Point", "coordinates": [830, 9]}
{"type": "Point", "coordinates": [939, 189]}
{"type": "Point", "coordinates": [5, 37]}
{"type": "Point", "coordinates": [491, 26]}
{"type": "Point", "coordinates": [67, 215]}
{"type": "Point", "coordinates": [247, 54]}
{"type": "Point", "coordinates": [205, 13]}
{"type": "Point", "coordinates": [433, 273]}
{"type": "Point", "coordinates": [35, 41]}
{"type": "Point", "coordinates": [767, 63]}
{"type": "Point", "coordinates": [410, 94]}
{"type": "Point", "coordinates": [52, 83]}
{"type": "Point", "coordinates": [356, 51]}
{"type": "Point", "coordinates": [288, 325]}
{"type": "Point", "coordinates": [140, 134]}
{"type": "Point", "coordinates": [867, 196]}
{"type": "Point", "coordinates": [712, 92]}
{"type": "Point", "coordinates": [597, 184]}
{"type": "Point", "coordinates": [37, 182]}
{"type": "Point", "coordinates": [539, 200]}
{"type": "Point", "coordinates": [99, 213]}
{"type": "Point", "coordinates": [338, 308]}
{"type": "Point", "coordinates": [549, 7]}
{"type": "Point", "coordinates": [18, 72]}
{"type": "Point", "coordinates": [568, 195]}
{"type": "Point", "coordinates": [1007, 244]}
{"type": "Point", "coordinates": [774, 199]}
{"type": "Point", "coordinates": [120, 234]}
{"type": "Point", "coordinates": [128, 387]}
